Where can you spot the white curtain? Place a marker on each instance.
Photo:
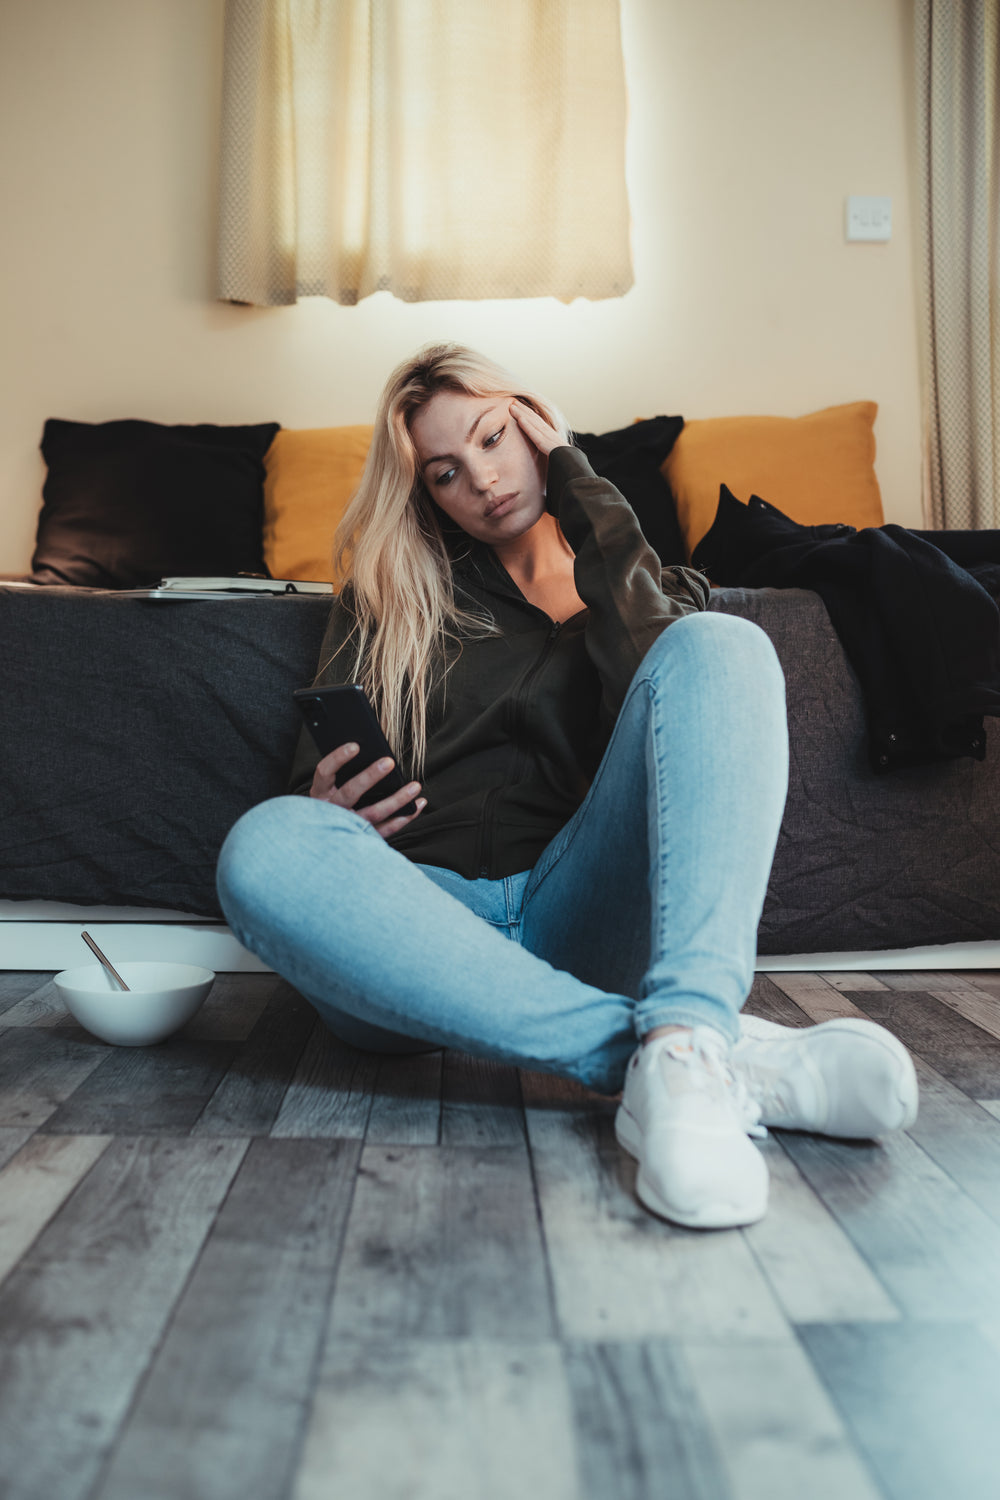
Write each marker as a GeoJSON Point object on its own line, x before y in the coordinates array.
{"type": "Point", "coordinates": [959, 165]}
{"type": "Point", "coordinates": [434, 148]}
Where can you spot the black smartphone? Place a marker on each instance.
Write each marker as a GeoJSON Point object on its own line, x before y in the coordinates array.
{"type": "Point", "coordinates": [340, 715]}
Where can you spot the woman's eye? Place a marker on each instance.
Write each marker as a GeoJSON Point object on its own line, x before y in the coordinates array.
{"type": "Point", "coordinates": [445, 478]}
{"type": "Point", "coordinates": [491, 441]}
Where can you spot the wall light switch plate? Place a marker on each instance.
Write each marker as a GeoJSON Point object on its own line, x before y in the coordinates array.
{"type": "Point", "coordinates": [869, 218]}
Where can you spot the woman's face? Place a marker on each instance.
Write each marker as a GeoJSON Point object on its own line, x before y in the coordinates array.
{"type": "Point", "coordinates": [478, 465]}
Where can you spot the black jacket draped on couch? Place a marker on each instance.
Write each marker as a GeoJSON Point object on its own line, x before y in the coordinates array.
{"type": "Point", "coordinates": [912, 610]}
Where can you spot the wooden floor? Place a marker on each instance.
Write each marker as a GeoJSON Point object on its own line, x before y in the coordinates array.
{"type": "Point", "coordinates": [254, 1263]}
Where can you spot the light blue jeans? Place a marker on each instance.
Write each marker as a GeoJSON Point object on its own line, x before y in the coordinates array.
{"type": "Point", "coordinates": [641, 912]}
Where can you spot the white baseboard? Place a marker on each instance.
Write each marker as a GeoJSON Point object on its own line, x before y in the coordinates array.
{"type": "Point", "coordinates": [64, 911]}
{"type": "Point", "coordinates": [984, 955]}
{"type": "Point", "coordinates": [46, 935]}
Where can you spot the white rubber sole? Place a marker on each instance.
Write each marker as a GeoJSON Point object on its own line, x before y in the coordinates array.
{"type": "Point", "coordinates": [718, 1214]}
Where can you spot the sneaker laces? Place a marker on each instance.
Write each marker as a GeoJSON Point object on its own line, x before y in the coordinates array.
{"type": "Point", "coordinates": [711, 1050]}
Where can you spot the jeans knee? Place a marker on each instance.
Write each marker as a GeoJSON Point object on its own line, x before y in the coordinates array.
{"type": "Point", "coordinates": [710, 640]}
{"type": "Point", "coordinates": [262, 844]}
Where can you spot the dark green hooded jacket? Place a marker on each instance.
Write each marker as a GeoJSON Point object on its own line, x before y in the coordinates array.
{"type": "Point", "coordinates": [516, 734]}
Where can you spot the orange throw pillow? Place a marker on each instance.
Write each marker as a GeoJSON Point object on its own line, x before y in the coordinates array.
{"type": "Point", "coordinates": [816, 469]}
{"type": "Point", "coordinates": [311, 475]}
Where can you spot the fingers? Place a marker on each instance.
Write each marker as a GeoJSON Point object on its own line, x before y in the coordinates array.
{"type": "Point", "coordinates": [385, 815]}
{"type": "Point", "coordinates": [351, 791]}
{"type": "Point", "coordinates": [388, 807]}
{"type": "Point", "coordinates": [324, 784]}
{"type": "Point", "coordinates": [536, 428]}
{"type": "Point", "coordinates": [393, 825]}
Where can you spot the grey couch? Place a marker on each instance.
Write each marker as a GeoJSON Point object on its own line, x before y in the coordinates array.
{"type": "Point", "coordinates": [135, 732]}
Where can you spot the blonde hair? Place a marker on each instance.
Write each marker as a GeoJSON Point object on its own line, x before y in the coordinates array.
{"type": "Point", "coordinates": [391, 551]}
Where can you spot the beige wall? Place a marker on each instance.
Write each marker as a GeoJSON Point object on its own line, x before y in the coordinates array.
{"type": "Point", "coordinates": [751, 120]}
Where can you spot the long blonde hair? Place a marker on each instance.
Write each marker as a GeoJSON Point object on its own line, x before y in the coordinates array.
{"type": "Point", "coordinates": [391, 550]}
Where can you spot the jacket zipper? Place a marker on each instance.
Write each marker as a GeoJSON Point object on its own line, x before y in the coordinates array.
{"type": "Point", "coordinates": [486, 838]}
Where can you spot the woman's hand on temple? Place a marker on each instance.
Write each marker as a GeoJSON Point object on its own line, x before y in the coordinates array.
{"type": "Point", "coordinates": [384, 816]}
{"type": "Point", "coordinates": [536, 429]}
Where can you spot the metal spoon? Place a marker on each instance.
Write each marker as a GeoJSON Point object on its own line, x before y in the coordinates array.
{"type": "Point", "coordinates": [109, 966]}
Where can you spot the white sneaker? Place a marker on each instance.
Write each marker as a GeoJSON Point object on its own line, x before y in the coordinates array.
{"type": "Point", "coordinates": [685, 1118]}
{"type": "Point", "coordinates": [848, 1077]}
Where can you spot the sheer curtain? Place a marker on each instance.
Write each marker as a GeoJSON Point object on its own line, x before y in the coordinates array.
{"type": "Point", "coordinates": [433, 148]}
{"type": "Point", "coordinates": [959, 163]}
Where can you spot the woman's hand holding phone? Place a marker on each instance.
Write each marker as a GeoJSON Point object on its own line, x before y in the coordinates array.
{"type": "Point", "coordinates": [384, 816]}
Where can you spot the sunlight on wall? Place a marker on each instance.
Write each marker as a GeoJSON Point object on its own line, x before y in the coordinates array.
{"type": "Point", "coordinates": [749, 125]}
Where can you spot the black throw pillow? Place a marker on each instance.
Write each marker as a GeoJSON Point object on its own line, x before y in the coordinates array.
{"type": "Point", "coordinates": [127, 503]}
{"type": "Point", "coordinates": [631, 459]}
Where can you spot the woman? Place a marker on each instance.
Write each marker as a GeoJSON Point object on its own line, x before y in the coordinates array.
{"type": "Point", "coordinates": [601, 767]}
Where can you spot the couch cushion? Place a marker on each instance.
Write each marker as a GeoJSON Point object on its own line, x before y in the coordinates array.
{"type": "Point", "coordinates": [171, 744]}
{"type": "Point", "coordinates": [143, 729]}
{"type": "Point", "coordinates": [313, 472]}
{"type": "Point", "coordinates": [817, 468]}
{"type": "Point", "coordinates": [311, 475]}
{"type": "Point", "coordinates": [127, 502]}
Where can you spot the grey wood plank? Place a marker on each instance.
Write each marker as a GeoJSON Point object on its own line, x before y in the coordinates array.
{"type": "Point", "coordinates": [17, 985]}
{"type": "Point", "coordinates": [34, 1185]}
{"type": "Point", "coordinates": [406, 1101]}
{"type": "Point", "coordinates": [441, 1420]}
{"type": "Point", "coordinates": [145, 1090]}
{"type": "Point", "coordinates": [934, 1250]}
{"type": "Point", "coordinates": [913, 980]}
{"type": "Point", "coordinates": [957, 1048]}
{"type": "Point", "coordinates": [617, 1270]}
{"type": "Point", "coordinates": [814, 1270]}
{"type": "Point", "coordinates": [641, 1430]}
{"type": "Point", "coordinates": [330, 1094]}
{"type": "Point", "coordinates": [768, 1000]}
{"type": "Point", "coordinates": [985, 980]}
{"type": "Point", "coordinates": [11, 1141]}
{"type": "Point", "coordinates": [982, 1009]}
{"type": "Point", "coordinates": [82, 1313]}
{"type": "Point", "coordinates": [548, 1091]}
{"type": "Point", "coordinates": [249, 1096]}
{"type": "Point", "coordinates": [223, 1410]}
{"type": "Point", "coordinates": [443, 1242]}
{"type": "Point", "coordinates": [853, 979]}
{"type": "Point", "coordinates": [779, 1434]}
{"type": "Point", "coordinates": [992, 1105]}
{"type": "Point", "coordinates": [961, 1136]}
{"type": "Point", "coordinates": [921, 1399]}
{"type": "Point", "coordinates": [40, 1069]}
{"type": "Point", "coordinates": [233, 1006]}
{"type": "Point", "coordinates": [817, 999]}
{"type": "Point", "coordinates": [41, 1007]}
{"type": "Point", "coordinates": [480, 1103]}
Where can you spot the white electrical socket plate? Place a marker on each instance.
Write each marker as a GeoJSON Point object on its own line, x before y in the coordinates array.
{"type": "Point", "coordinates": [869, 218]}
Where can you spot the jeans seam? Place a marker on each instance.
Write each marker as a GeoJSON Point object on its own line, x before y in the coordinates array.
{"type": "Point", "coordinates": [662, 814]}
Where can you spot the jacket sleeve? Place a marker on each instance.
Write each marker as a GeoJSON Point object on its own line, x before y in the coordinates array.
{"type": "Point", "coordinates": [336, 661]}
{"type": "Point", "coordinates": [630, 597]}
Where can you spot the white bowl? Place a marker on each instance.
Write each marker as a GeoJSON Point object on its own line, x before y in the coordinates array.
{"type": "Point", "coordinates": [159, 999]}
